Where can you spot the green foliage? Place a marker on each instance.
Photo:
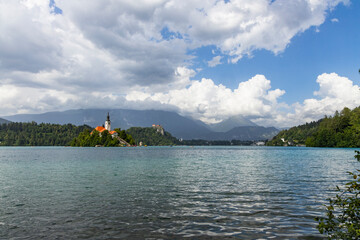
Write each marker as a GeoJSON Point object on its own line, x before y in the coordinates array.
{"type": "Point", "coordinates": [295, 135]}
{"type": "Point", "coordinates": [88, 139]}
{"type": "Point", "coordinates": [342, 219]}
{"type": "Point", "coordinates": [149, 136]}
{"type": "Point", "coordinates": [33, 134]}
{"type": "Point", "coordinates": [127, 137]}
{"type": "Point", "coordinates": [341, 130]}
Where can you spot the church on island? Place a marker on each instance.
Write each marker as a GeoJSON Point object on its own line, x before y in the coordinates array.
{"type": "Point", "coordinates": [107, 127]}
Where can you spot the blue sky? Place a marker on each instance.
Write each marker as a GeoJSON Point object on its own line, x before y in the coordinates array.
{"type": "Point", "coordinates": [278, 63]}
{"type": "Point", "coordinates": [332, 47]}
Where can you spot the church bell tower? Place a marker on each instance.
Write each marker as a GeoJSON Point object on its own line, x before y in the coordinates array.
{"type": "Point", "coordinates": [108, 123]}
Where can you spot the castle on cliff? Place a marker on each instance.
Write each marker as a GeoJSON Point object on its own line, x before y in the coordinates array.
{"type": "Point", "coordinates": [158, 129]}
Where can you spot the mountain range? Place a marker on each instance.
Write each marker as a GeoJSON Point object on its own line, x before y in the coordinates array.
{"type": "Point", "coordinates": [230, 123]}
{"type": "Point", "coordinates": [3, 121]}
{"type": "Point", "coordinates": [238, 128]}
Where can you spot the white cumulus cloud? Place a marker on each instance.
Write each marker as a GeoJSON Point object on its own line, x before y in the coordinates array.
{"type": "Point", "coordinates": [210, 102]}
{"type": "Point", "coordinates": [255, 100]}
{"type": "Point", "coordinates": [335, 93]}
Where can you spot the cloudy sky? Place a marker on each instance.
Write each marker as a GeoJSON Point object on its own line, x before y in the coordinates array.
{"type": "Point", "coordinates": [276, 62]}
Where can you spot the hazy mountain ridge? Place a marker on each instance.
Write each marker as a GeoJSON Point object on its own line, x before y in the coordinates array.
{"type": "Point", "coordinates": [231, 123]}
{"type": "Point", "coordinates": [177, 125]}
{"type": "Point", "coordinates": [4, 121]}
{"type": "Point", "coordinates": [245, 133]}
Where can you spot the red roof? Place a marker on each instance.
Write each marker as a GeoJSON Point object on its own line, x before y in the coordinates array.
{"type": "Point", "coordinates": [100, 129]}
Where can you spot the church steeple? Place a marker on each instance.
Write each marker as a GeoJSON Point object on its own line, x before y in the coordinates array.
{"type": "Point", "coordinates": [108, 123]}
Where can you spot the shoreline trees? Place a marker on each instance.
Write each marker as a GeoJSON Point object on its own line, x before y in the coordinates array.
{"type": "Point", "coordinates": [43, 134]}
{"type": "Point", "coordinates": [342, 220]}
{"type": "Point", "coordinates": [340, 130]}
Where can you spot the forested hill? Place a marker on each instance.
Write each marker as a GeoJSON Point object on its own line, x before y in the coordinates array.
{"type": "Point", "coordinates": [33, 134]}
{"type": "Point", "coordinates": [295, 135]}
{"type": "Point", "coordinates": [340, 130]}
{"type": "Point", "coordinates": [151, 137]}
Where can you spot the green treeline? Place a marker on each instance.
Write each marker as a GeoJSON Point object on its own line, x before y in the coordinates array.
{"type": "Point", "coordinates": [151, 137]}
{"type": "Point", "coordinates": [295, 135]}
{"type": "Point", "coordinates": [340, 130]}
{"type": "Point", "coordinates": [92, 139]}
{"type": "Point", "coordinates": [33, 134]}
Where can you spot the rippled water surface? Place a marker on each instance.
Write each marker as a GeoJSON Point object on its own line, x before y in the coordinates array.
{"type": "Point", "coordinates": [167, 192]}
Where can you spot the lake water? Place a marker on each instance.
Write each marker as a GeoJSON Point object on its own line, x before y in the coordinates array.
{"type": "Point", "coordinates": [167, 192]}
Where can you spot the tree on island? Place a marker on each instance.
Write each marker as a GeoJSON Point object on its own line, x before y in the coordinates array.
{"type": "Point", "coordinates": [342, 219]}
{"type": "Point", "coordinates": [125, 136]}
{"type": "Point", "coordinates": [94, 138]}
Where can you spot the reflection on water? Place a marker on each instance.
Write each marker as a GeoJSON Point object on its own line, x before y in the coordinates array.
{"type": "Point", "coordinates": [168, 193]}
